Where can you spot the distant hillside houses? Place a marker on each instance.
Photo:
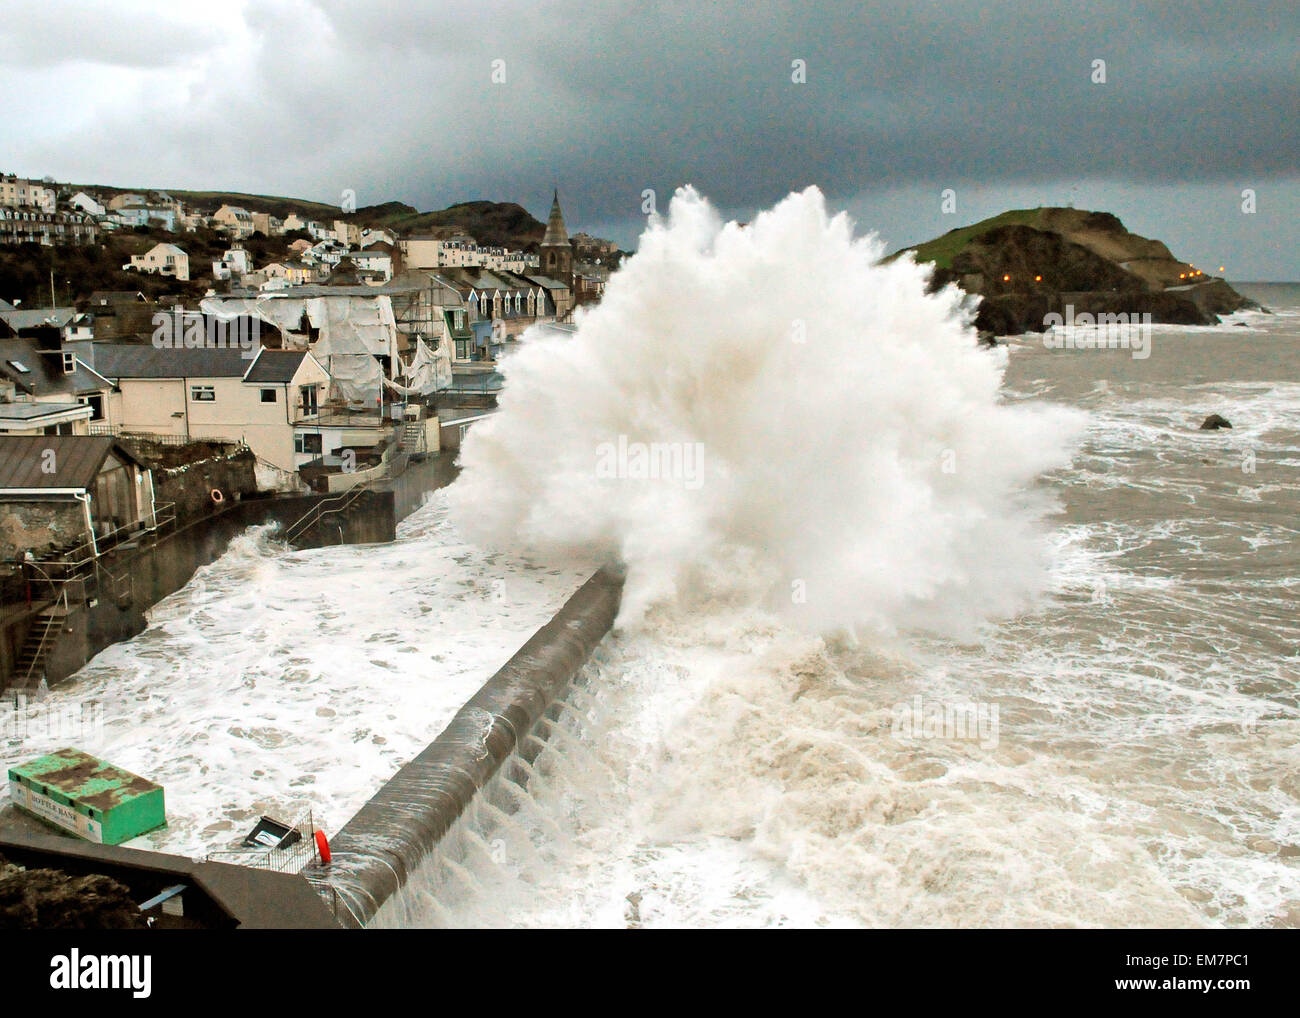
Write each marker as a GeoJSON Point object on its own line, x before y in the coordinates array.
{"type": "Point", "coordinates": [425, 251]}
{"type": "Point", "coordinates": [161, 216]}
{"type": "Point", "coordinates": [344, 252]}
{"type": "Point", "coordinates": [32, 226]}
{"type": "Point", "coordinates": [21, 193]}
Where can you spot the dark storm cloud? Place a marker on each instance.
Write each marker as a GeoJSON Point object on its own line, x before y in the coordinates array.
{"type": "Point", "coordinates": [396, 101]}
{"type": "Point", "coordinates": [654, 95]}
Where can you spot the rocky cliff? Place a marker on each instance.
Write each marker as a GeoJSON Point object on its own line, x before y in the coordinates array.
{"type": "Point", "coordinates": [1028, 263]}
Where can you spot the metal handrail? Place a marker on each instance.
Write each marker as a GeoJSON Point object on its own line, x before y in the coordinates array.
{"type": "Point", "coordinates": [354, 492]}
{"type": "Point", "coordinates": [313, 515]}
{"type": "Point", "coordinates": [163, 513]}
{"type": "Point", "coordinates": [45, 635]}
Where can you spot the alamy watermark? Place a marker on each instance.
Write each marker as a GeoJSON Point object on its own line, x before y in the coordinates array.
{"type": "Point", "coordinates": [1102, 331]}
{"type": "Point", "coordinates": [193, 330]}
{"type": "Point", "coordinates": [24, 719]}
{"type": "Point", "coordinates": [651, 461]}
{"type": "Point", "coordinates": [964, 722]}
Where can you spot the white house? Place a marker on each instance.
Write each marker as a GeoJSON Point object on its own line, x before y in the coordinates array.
{"type": "Point", "coordinates": [236, 221]}
{"type": "Point", "coordinates": [269, 401]}
{"type": "Point", "coordinates": [164, 259]}
{"type": "Point", "coordinates": [86, 203]}
{"type": "Point", "coordinates": [374, 261]}
{"type": "Point", "coordinates": [330, 252]}
{"type": "Point", "coordinates": [376, 235]}
{"type": "Point", "coordinates": [234, 263]}
{"type": "Point", "coordinates": [48, 388]}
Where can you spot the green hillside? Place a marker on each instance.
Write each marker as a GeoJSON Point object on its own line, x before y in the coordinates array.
{"type": "Point", "coordinates": [942, 250]}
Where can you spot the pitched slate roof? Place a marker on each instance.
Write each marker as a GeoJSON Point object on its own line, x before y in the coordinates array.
{"type": "Point", "coordinates": [44, 374]}
{"type": "Point", "coordinates": [275, 366]}
{"type": "Point", "coordinates": [122, 360]}
{"type": "Point", "coordinates": [546, 282]}
{"type": "Point", "coordinates": [108, 298]}
{"type": "Point", "coordinates": [76, 460]}
{"type": "Point", "coordinates": [29, 318]}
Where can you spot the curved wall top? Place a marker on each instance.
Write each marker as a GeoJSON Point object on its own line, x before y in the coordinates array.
{"type": "Point", "coordinates": [378, 849]}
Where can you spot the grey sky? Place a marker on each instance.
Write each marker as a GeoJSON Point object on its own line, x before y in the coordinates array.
{"type": "Point", "coordinates": [396, 101]}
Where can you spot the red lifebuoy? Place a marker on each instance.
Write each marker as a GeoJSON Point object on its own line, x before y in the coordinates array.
{"type": "Point", "coordinates": [323, 847]}
{"type": "Point", "coordinates": [217, 497]}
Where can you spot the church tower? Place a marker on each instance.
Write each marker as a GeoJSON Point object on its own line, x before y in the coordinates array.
{"type": "Point", "coordinates": [556, 253]}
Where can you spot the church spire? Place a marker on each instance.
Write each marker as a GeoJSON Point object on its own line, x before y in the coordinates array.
{"type": "Point", "coordinates": [556, 234]}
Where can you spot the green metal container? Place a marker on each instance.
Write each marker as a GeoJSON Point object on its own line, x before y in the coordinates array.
{"type": "Point", "coordinates": [75, 791]}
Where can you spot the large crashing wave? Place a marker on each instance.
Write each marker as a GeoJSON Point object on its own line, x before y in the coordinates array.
{"type": "Point", "coordinates": [766, 412]}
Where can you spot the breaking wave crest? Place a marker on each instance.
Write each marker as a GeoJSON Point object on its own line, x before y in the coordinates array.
{"type": "Point", "coordinates": [769, 414]}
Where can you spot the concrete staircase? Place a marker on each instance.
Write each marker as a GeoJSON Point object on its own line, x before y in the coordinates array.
{"type": "Point", "coordinates": [29, 669]}
{"type": "Point", "coordinates": [412, 440]}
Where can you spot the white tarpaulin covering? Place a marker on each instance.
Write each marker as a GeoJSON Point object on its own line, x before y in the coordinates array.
{"type": "Point", "coordinates": [353, 331]}
{"type": "Point", "coordinates": [427, 373]}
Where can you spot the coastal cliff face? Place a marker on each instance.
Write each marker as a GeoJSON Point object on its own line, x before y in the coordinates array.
{"type": "Point", "coordinates": [1029, 263]}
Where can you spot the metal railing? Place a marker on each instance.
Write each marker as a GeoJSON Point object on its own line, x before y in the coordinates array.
{"type": "Point", "coordinates": [338, 504]}
{"type": "Point", "coordinates": [52, 621]}
{"type": "Point", "coordinates": [290, 859]}
{"type": "Point", "coordinates": [80, 555]}
{"type": "Point", "coordinates": [159, 437]}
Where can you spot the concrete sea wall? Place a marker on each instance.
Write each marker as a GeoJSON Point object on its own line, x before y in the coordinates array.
{"type": "Point", "coordinates": [385, 842]}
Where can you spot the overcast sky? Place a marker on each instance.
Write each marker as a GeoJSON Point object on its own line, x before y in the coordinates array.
{"type": "Point", "coordinates": [396, 100]}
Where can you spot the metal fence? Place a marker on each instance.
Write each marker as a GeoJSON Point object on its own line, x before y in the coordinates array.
{"type": "Point", "coordinates": [144, 436]}
{"type": "Point", "coordinates": [290, 859]}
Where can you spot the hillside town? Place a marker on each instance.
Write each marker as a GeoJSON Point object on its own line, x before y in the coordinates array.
{"type": "Point", "coordinates": [242, 356]}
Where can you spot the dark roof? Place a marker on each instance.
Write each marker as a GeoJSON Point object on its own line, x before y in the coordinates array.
{"type": "Point", "coordinates": [109, 297]}
{"type": "Point", "coordinates": [275, 366]}
{"type": "Point", "coordinates": [29, 318]}
{"type": "Point", "coordinates": [45, 370]}
{"type": "Point", "coordinates": [35, 410]}
{"type": "Point", "coordinates": [547, 283]}
{"type": "Point", "coordinates": [122, 360]}
{"type": "Point", "coordinates": [76, 460]}
{"type": "Point", "coordinates": [478, 277]}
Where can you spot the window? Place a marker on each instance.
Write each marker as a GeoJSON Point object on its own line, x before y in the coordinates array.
{"type": "Point", "coordinates": [69, 362]}
{"type": "Point", "coordinates": [307, 443]}
{"type": "Point", "coordinates": [96, 404]}
{"type": "Point", "coordinates": [203, 394]}
{"type": "Point", "coordinates": [462, 349]}
{"type": "Point", "coordinates": [268, 395]}
{"type": "Point", "coordinates": [307, 400]}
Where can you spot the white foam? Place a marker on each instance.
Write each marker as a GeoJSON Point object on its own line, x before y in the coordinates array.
{"type": "Point", "coordinates": [855, 444]}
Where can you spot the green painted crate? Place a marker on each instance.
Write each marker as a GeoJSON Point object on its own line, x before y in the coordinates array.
{"type": "Point", "coordinates": [93, 799]}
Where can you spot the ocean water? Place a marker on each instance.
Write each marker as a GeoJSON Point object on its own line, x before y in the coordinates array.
{"type": "Point", "coordinates": [282, 682]}
{"type": "Point", "coordinates": [1134, 758]}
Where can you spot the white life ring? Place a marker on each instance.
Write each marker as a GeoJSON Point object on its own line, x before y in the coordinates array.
{"type": "Point", "coordinates": [217, 497]}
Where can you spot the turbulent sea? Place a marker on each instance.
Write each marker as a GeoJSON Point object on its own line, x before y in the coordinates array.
{"type": "Point", "coordinates": [720, 768]}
